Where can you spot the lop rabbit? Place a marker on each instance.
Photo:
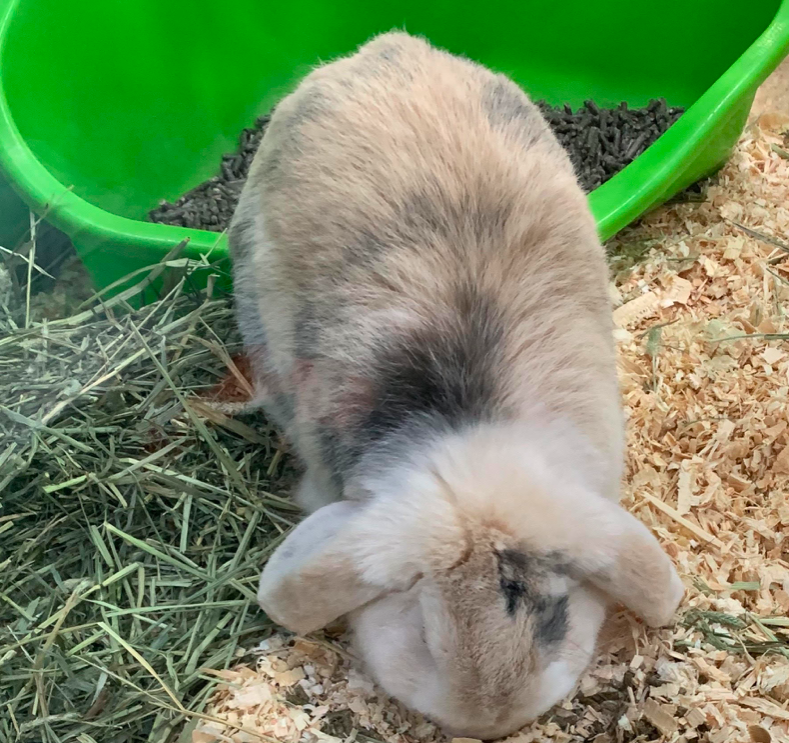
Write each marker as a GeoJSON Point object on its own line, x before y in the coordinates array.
{"type": "Point", "coordinates": [423, 297]}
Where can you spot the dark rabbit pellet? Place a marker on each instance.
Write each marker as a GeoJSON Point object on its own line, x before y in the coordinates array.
{"type": "Point", "coordinates": [210, 205]}
{"type": "Point", "coordinates": [600, 142]}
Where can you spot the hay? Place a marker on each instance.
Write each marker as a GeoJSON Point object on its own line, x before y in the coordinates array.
{"type": "Point", "coordinates": [704, 363]}
{"type": "Point", "coordinates": [132, 530]}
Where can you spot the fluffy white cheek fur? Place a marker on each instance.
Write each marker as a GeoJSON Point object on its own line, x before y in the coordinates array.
{"type": "Point", "coordinates": [388, 638]}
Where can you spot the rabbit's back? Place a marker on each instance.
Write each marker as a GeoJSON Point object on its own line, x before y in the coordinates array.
{"type": "Point", "coordinates": [412, 246]}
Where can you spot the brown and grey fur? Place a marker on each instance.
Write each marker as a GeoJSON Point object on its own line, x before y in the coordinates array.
{"type": "Point", "coordinates": [424, 299]}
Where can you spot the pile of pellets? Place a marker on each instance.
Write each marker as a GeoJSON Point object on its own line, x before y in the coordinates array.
{"type": "Point", "coordinates": [603, 141]}
{"type": "Point", "coordinates": [600, 142]}
{"type": "Point", "coordinates": [210, 205]}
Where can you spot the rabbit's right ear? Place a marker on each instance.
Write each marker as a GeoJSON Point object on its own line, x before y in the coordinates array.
{"type": "Point", "coordinates": [315, 576]}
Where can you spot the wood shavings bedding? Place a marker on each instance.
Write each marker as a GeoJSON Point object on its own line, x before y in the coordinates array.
{"type": "Point", "coordinates": [705, 380]}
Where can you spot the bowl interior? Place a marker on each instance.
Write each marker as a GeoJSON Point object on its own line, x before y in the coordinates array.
{"type": "Point", "coordinates": [129, 103]}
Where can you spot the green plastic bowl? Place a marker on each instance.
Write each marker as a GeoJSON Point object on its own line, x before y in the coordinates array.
{"type": "Point", "coordinates": [109, 106]}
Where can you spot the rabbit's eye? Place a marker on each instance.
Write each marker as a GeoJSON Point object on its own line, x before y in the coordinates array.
{"type": "Point", "coordinates": [514, 569]}
{"type": "Point", "coordinates": [514, 591]}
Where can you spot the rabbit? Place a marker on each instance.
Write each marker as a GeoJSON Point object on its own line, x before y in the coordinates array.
{"type": "Point", "coordinates": [424, 301]}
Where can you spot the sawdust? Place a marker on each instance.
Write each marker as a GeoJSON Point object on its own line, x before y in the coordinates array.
{"type": "Point", "coordinates": [705, 379]}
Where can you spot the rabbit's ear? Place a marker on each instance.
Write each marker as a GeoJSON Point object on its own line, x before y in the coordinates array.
{"type": "Point", "coordinates": [596, 541]}
{"type": "Point", "coordinates": [622, 558]}
{"type": "Point", "coordinates": [315, 576]}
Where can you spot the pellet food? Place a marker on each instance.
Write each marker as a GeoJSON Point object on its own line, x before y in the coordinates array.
{"type": "Point", "coordinates": [600, 142]}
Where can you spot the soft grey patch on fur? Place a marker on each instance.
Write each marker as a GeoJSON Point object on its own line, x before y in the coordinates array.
{"type": "Point", "coordinates": [338, 456]}
{"type": "Point", "coordinates": [282, 138]}
{"type": "Point", "coordinates": [426, 212]}
{"type": "Point", "coordinates": [389, 51]}
{"type": "Point", "coordinates": [559, 563]}
{"type": "Point", "coordinates": [241, 236]}
{"type": "Point", "coordinates": [506, 104]}
{"type": "Point", "coordinates": [270, 170]}
{"type": "Point", "coordinates": [473, 217]}
{"type": "Point", "coordinates": [249, 323]}
{"type": "Point", "coordinates": [386, 56]}
{"type": "Point", "coordinates": [365, 249]}
{"type": "Point", "coordinates": [552, 619]}
{"type": "Point", "coordinates": [445, 373]}
{"type": "Point", "coordinates": [307, 331]}
{"type": "Point", "coordinates": [242, 241]}
{"type": "Point", "coordinates": [311, 105]}
{"type": "Point", "coordinates": [509, 109]}
{"type": "Point", "coordinates": [281, 408]}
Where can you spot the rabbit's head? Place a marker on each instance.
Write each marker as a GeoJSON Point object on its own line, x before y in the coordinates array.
{"type": "Point", "coordinates": [476, 579]}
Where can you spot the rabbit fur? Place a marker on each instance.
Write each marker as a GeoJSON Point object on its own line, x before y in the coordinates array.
{"type": "Point", "coordinates": [424, 300]}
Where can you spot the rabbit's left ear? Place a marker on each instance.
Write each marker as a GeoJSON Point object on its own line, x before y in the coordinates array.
{"type": "Point", "coordinates": [315, 575]}
{"type": "Point", "coordinates": [622, 558]}
{"type": "Point", "coordinates": [600, 543]}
